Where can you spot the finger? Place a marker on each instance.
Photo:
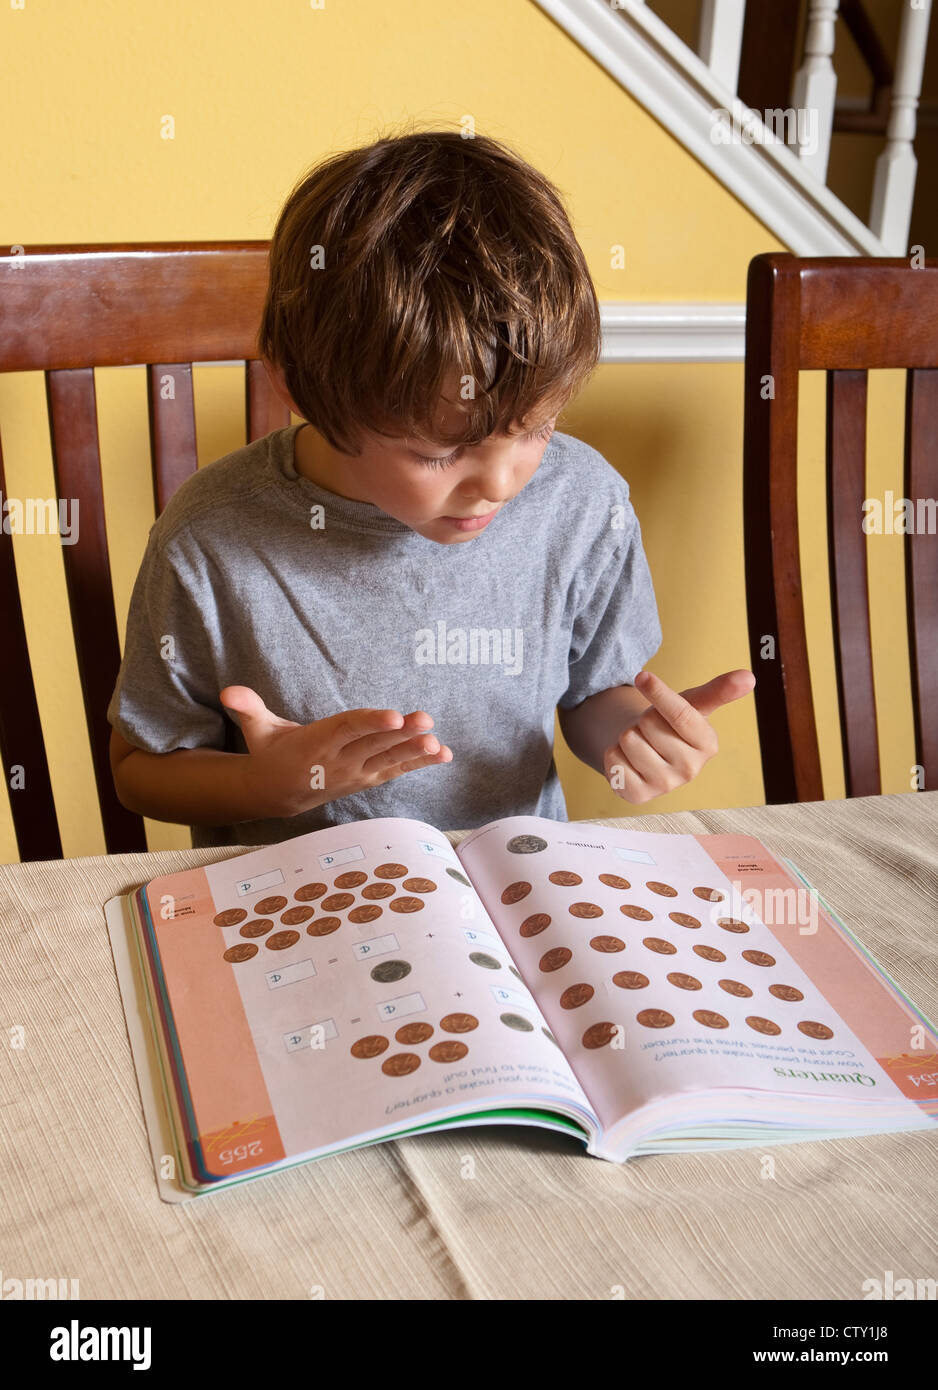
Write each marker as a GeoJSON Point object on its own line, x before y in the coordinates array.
{"type": "Point", "coordinates": [683, 717]}
{"type": "Point", "coordinates": [403, 751]}
{"type": "Point", "coordinates": [644, 759]}
{"type": "Point", "coordinates": [358, 723]}
{"type": "Point", "coordinates": [676, 751]}
{"type": "Point", "coordinates": [623, 778]}
{"type": "Point", "coordinates": [445, 755]}
{"type": "Point", "coordinates": [370, 744]}
{"type": "Point", "coordinates": [722, 690]}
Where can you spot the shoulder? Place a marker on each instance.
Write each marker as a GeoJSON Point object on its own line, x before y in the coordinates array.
{"type": "Point", "coordinates": [581, 489]}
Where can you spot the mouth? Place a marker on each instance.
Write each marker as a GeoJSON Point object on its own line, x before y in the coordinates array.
{"type": "Point", "coordinates": [470, 523]}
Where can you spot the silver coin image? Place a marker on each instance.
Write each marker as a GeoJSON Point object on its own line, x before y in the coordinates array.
{"type": "Point", "coordinates": [526, 844]}
{"type": "Point", "coordinates": [388, 972]}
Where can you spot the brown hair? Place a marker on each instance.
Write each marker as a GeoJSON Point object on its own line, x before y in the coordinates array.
{"type": "Point", "coordinates": [441, 257]}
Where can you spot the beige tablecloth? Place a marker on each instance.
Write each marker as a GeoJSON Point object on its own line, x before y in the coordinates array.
{"type": "Point", "coordinates": [538, 1219]}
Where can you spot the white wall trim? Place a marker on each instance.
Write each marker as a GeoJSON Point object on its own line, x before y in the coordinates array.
{"type": "Point", "coordinates": [673, 332]}
{"type": "Point", "coordinates": [639, 50]}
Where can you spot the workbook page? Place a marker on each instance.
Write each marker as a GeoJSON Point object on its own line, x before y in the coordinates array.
{"type": "Point", "coordinates": [655, 970]}
{"type": "Point", "coordinates": [338, 983]}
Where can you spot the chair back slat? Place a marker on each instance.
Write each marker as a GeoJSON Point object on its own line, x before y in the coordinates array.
{"type": "Point", "coordinates": [850, 602]}
{"type": "Point", "coordinates": [171, 405]}
{"type": "Point", "coordinates": [77, 464]}
{"type": "Point", "coordinates": [265, 410]}
{"type": "Point", "coordinates": [921, 557]}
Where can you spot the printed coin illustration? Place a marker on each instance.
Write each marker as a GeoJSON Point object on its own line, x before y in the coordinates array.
{"type": "Point", "coordinates": [282, 940]}
{"type": "Point", "coordinates": [295, 915]}
{"type": "Point", "coordinates": [684, 919]}
{"type": "Point", "coordinates": [324, 926]}
{"type": "Point", "coordinates": [401, 1064]}
{"type": "Point", "coordinates": [448, 1051]}
{"type": "Point", "coordinates": [763, 1025]}
{"type": "Point", "coordinates": [414, 1033]}
{"type": "Point", "coordinates": [614, 881]}
{"type": "Point", "coordinates": [810, 1029]}
{"type": "Point", "coordinates": [419, 885]}
{"type": "Point", "coordinates": [310, 891]}
{"type": "Point", "coordinates": [515, 892]}
{"type": "Point", "coordinates": [630, 979]}
{"type": "Point", "coordinates": [607, 944]}
{"type": "Point", "coordinates": [258, 926]}
{"type": "Point", "coordinates": [391, 871]}
{"type": "Point", "coordinates": [520, 1025]}
{"type": "Point", "coordinates": [710, 895]}
{"type": "Point", "coordinates": [516, 973]}
{"type": "Point", "coordinates": [379, 890]}
{"type": "Point", "coordinates": [709, 1019]}
{"type": "Point", "coordinates": [372, 1046]}
{"type": "Point", "coordinates": [460, 878]}
{"type": "Point", "coordinates": [735, 987]}
{"type": "Point", "coordinates": [526, 844]}
{"type": "Point", "coordinates": [576, 995]}
{"type": "Point", "coordinates": [658, 943]}
{"type": "Point", "coordinates": [548, 1034]}
{"type": "Point", "coordinates": [664, 889]}
{"type": "Point", "coordinates": [368, 913]}
{"type": "Point", "coordinates": [459, 1023]}
{"type": "Point", "coordinates": [337, 901]}
{"type": "Point", "coordinates": [709, 953]}
{"type": "Point", "coordinates": [267, 906]}
{"type": "Point", "coordinates": [555, 959]}
{"type": "Point", "coordinates": [564, 878]}
{"type": "Point", "coordinates": [732, 924]}
{"type": "Point", "coordinates": [243, 951]}
{"type": "Point", "coordinates": [599, 1035]}
{"type": "Point", "coordinates": [787, 992]}
{"type": "Point", "coordinates": [406, 904]}
{"type": "Point", "coordinates": [388, 972]}
{"type": "Point", "coordinates": [639, 914]}
{"type": "Point", "coordinates": [486, 961]}
{"type": "Point", "coordinates": [758, 958]}
{"type": "Point", "coordinates": [655, 1018]}
{"type": "Point", "coordinates": [230, 917]}
{"type": "Point", "coordinates": [532, 925]}
{"type": "Point", "coordinates": [350, 880]}
{"type": "Point", "coordinates": [585, 910]}
{"type": "Point", "coordinates": [677, 977]}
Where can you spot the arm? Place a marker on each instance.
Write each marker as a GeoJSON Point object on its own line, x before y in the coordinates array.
{"type": "Point", "coordinates": [190, 786]}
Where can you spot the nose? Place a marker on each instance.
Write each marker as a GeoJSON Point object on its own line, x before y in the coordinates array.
{"type": "Point", "coordinates": [491, 478]}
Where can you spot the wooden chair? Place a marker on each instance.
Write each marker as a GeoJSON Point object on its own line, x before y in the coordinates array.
{"type": "Point", "coordinates": [845, 316]}
{"type": "Point", "coordinates": [65, 310]}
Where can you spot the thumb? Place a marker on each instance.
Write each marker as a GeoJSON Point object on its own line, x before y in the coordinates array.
{"type": "Point", "coordinates": [255, 720]}
{"type": "Point", "coordinates": [722, 690]}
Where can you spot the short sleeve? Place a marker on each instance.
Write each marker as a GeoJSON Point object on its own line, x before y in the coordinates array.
{"type": "Point", "coordinates": [616, 628]}
{"type": "Point", "coordinates": [166, 695]}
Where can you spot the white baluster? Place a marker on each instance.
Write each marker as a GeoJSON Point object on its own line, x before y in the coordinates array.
{"type": "Point", "coordinates": [720, 38]}
{"type": "Point", "coordinates": [815, 87]}
{"type": "Point", "coordinates": [894, 184]}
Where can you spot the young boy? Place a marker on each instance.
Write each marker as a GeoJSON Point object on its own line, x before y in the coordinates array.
{"type": "Point", "coordinates": [426, 541]}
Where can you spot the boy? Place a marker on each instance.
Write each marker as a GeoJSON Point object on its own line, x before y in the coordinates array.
{"type": "Point", "coordinates": [425, 541]}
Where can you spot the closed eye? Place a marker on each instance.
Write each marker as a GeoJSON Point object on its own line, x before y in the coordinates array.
{"type": "Point", "coordinates": [544, 432]}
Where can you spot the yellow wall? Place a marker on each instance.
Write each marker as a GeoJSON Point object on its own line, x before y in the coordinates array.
{"type": "Point", "coordinates": [259, 93]}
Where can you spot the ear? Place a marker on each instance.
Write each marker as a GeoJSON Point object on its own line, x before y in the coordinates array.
{"type": "Point", "coordinates": [279, 385]}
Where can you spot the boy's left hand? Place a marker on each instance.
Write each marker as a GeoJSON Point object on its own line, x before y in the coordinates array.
{"type": "Point", "coordinates": [669, 743]}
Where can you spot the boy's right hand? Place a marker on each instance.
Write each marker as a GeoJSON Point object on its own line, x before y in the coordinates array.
{"type": "Point", "coordinates": [344, 753]}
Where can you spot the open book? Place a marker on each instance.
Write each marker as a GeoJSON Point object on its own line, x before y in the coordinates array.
{"type": "Point", "coordinates": [643, 992]}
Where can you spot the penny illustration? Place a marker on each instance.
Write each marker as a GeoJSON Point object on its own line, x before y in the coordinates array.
{"type": "Point", "coordinates": [684, 919]}
{"type": "Point", "coordinates": [459, 1023]}
{"type": "Point", "coordinates": [350, 880]}
{"type": "Point", "coordinates": [448, 1051]}
{"type": "Point", "coordinates": [655, 1018]}
{"type": "Point", "coordinates": [640, 914]}
{"type": "Point", "coordinates": [412, 1033]}
{"type": "Point", "coordinates": [391, 871]}
{"type": "Point", "coordinates": [486, 961]}
{"type": "Point", "coordinates": [267, 906]}
{"type": "Point", "coordinates": [585, 910]}
{"type": "Point", "coordinates": [630, 979]}
{"type": "Point", "coordinates": [243, 951]}
{"type": "Point", "coordinates": [379, 890]}
{"type": "Point", "coordinates": [732, 924]}
{"type": "Point", "coordinates": [709, 953]}
{"type": "Point", "coordinates": [736, 987]}
{"type": "Point", "coordinates": [677, 977]}
{"type": "Point", "coordinates": [515, 892]}
{"type": "Point", "coordinates": [336, 902]}
{"type": "Point", "coordinates": [709, 1019]}
{"type": "Point", "coordinates": [607, 944]}
{"type": "Point", "coordinates": [576, 995]}
{"type": "Point", "coordinates": [658, 943]}
{"type": "Point", "coordinates": [372, 1046]}
{"type": "Point", "coordinates": [663, 889]}
{"type": "Point", "coordinates": [388, 972]}
{"type": "Point", "coordinates": [614, 881]}
{"type": "Point", "coordinates": [709, 895]}
{"type": "Point", "coordinates": [419, 885]}
{"type": "Point", "coordinates": [295, 915]}
{"type": "Point", "coordinates": [520, 1025]}
{"type": "Point", "coordinates": [787, 992]}
{"type": "Point", "coordinates": [532, 925]}
{"type": "Point", "coordinates": [324, 926]}
{"type": "Point", "coordinates": [368, 913]}
{"type": "Point", "coordinates": [282, 940]}
{"type": "Point", "coordinates": [401, 1064]}
{"type": "Point", "coordinates": [810, 1029]}
{"type": "Point", "coordinates": [763, 1025]}
{"type": "Point", "coordinates": [599, 1035]}
{"type": "Point", "coordinates": [555, 959]}
{"type": "Point", "coordinates": [230, 917]}
{"type": "Point", "coordinates": [526, 844]}
{"type": "Point", "coordinates": [758, 958]}
{"type": "Point", "coordinates": [406, 904]}
{"type": "Point", "coordinates": [310, 891]}
{"type": "Point", "coordinates": [460, 878]}
{"type": "Point", "coordinates": [564, 878]}
{"type": "Point", "coordinates": [258, 926]}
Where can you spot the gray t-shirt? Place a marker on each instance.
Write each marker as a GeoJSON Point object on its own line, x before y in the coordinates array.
{"type": "Point", "coordinates": [260, 577]}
